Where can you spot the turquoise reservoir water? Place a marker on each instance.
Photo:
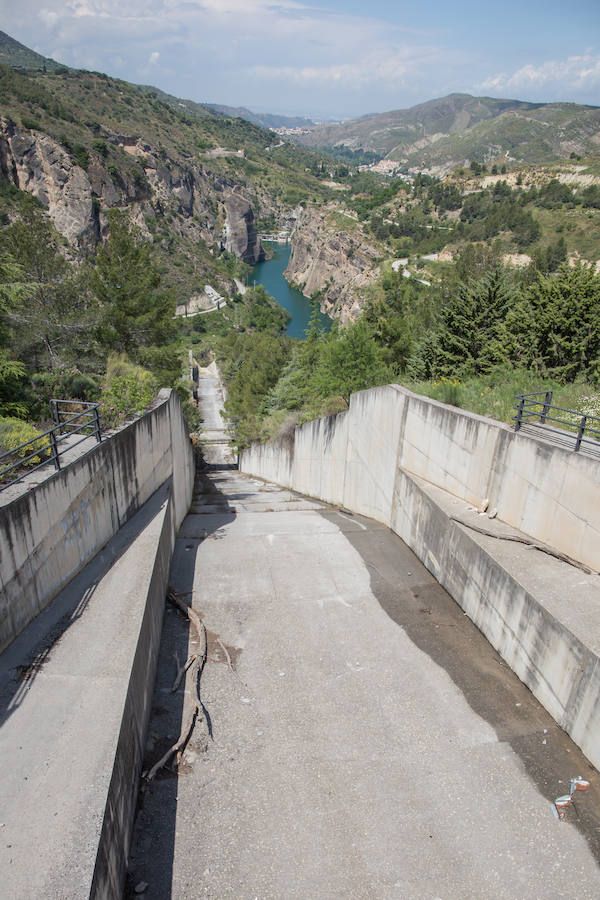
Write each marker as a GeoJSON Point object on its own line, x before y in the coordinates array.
{"type": "Point", "coordinates": [270, 274]}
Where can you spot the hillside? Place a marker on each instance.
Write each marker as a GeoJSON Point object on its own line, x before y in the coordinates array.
{"type": "Point", "coordinates": [196, 182]}
{"type": "Point", "coordinates": [457, 129]}
{"type": "Point", "coordinates": [17, 55]}
{"type": "Point", "coordinates": [202, 186]}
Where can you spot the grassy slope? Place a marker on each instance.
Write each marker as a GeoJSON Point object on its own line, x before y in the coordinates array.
{"type": "Point", "coordinates": [494, 395]}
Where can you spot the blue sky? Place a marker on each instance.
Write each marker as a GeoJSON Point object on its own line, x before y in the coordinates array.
{"type": "Point", "coordinates": [324, 58]}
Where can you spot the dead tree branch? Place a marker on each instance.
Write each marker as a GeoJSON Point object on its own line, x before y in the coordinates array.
{"type": "Point", "coordinates": [192, 702]}
{"type": "Point", "coordinates": [228, 658]}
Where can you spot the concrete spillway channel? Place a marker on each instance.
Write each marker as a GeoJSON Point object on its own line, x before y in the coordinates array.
{"type": "Point", "coordinates": [360, 738]}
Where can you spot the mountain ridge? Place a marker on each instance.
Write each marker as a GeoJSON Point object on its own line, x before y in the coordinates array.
{"type": "Point", "coordinates": [462, 128]}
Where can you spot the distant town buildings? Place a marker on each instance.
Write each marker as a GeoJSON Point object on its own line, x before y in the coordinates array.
{"type": "Point", "coordinates": [290, 131]}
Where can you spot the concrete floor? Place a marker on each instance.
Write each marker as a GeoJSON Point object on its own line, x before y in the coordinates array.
{"type": "Point", "coordinates": [362, 738]}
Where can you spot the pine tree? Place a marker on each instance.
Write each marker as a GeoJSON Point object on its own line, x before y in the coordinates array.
{"type": "Point", "coordinates": [349, 362]}
{"type": "Point", "coordinates": [472, 337]}
{"type": "Point", "coordinates": [566, 316]}
{"type": "Point", "coordinates": [126, 281]}
{"type": "Point", "coordinates": [49, 315]}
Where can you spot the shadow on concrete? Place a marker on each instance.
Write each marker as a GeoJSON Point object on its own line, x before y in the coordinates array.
{"type": "Point", "coordinates": [23, 660]}
{"type": "Point", "coordinates": [436, 624]}
{"type": "Point", "coordinates": [153, 843]}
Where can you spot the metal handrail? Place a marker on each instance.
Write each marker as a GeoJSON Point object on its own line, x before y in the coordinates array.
{"type": "Point", "coordinates": [55, 436]}
{"type": "Point", "coordinates": [526, 410]}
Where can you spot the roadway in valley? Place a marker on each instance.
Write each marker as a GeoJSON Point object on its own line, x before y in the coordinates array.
{"type": "Point", "coordinates": [361, 738]}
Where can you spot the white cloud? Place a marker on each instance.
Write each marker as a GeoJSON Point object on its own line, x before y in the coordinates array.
{"type": "Point", "coordinates": [49, 17]}
{"type": "Point", "coordinates": [391, 67]}
{"type": "Point", "coordinates": [553, 78]}
{"type": "Point", "coordinates": [280, 53]}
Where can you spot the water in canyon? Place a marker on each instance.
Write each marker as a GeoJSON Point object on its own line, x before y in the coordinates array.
{"type": "Point", "coordinates": [270, 274]}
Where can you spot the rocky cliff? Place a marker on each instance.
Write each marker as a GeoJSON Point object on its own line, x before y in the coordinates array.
{"type": "Point", "coordinates": [334, 262]}
{"type": "Point", "coordinates": [241, 236]}
{"type": "Point", "coordinates": [39, 165]}
{"type": "Point", "coordinates": [199, 204]}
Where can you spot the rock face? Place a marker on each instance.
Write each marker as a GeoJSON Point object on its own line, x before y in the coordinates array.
{"type": "Point", "coordinates": [37, 164]}
{"type": "Point", "coordinates": [335, 263]}
{"type": "Point", "coordinates": [196, 200]}
{"type": "Point", "coordinates": [241, 236]}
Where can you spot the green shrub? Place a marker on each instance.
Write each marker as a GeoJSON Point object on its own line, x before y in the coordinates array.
{"type": "Point", "coordinates": [83, 387]}
{"type": "Point", "coordinates": [127, 390]}
{"type": "Point", "coordinates": [64, 383]}
{"type": "Point", "coordinates": [448, 390]}
{"type": "Point", "coordinates": [14, 432]}
{"type": "Point", "coordinates": [100, 147]}
{"type": "Point", "coordinates": [164, 362]}
{"type": "Point", "coordinates": [32, 124]}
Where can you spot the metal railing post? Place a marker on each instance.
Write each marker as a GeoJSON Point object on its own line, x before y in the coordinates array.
{"type": "Point", "coordinates": [580, 432]}
{"type": "Point", "coordinates": [547, 403]}
{"type": "Point", "coordinates": [97, 430]}
{"type": "Point", "coordinates": [55, 455]}
{"type": "Point", "coordinates": [54, 412]}
{"type": "Point", "coordinates": [520, 412]}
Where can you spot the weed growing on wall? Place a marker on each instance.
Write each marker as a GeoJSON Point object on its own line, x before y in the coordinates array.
{"type": "Point", "coordinates": [127, 390]}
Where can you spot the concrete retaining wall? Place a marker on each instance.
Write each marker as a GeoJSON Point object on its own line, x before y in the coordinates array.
{"type": "Point", "coordinates": [375, 459]}
{"type": "Point", "coordinates": [115, 837]}
{"type": "Point", "coordinates": [556, 665]}
{"type": "Point", "coordinates": [548, 492]}
{"type": "Point", "coordinates": [50, 532]}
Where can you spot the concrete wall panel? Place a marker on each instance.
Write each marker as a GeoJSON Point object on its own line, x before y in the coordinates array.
{"type": "Point", "coordinates": [546, 491]}
{"type": "Point", "coordinates": [319, 458]}
{"type": "Point", "coordinates": [448, 447]}
{"type": "Point", "coordinates": [544, 654]}
{"type": "Point", "coordinates": [50, 532]}
{"type": "Point", "coordinates": [375, 422]}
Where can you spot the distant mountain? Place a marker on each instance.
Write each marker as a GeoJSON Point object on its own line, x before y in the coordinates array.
{"type": "Point", "coordinates": [201, 110]}
{"type": "Point", "coordinates": [459, 128]}
{"type": "Point", "coordinates": [18, 56]}
{"type": "Point", "coordinates": [265, 120]}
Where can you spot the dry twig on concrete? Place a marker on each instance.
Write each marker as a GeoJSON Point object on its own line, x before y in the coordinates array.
{"type": "Point", "coordinates": [528, 542]}
{"type": "Point", "coordinates": [181, 669]}
{"type": "Point", "coordinates": [194, 666]}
